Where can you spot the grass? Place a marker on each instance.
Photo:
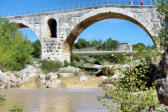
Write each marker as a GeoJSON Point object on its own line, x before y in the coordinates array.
{"type": "Point", "coordinates": [50, 66]}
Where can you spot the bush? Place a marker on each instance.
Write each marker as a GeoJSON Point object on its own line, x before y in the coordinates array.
{"type": "Point", "coordinates": [75, 58]}
{"type": "Point", "coordinates": [16, 108]}
{"type": "Point", "coordinates": [14, 49]}
{"type": "Point", "coordinates": [140, 75]}
{"type": "Point", "coordinates": [97, 62]}
{"type": "Point", "coordinates": [66, 64]}
{"type": "Point", "coordinates": [108, 71]}
{"type": "Point", "coordinates": [50, 66]}
{"type": "Point", "coordinates": [132, 95]}
{"type": "Point", "coordinates": [37, 49]}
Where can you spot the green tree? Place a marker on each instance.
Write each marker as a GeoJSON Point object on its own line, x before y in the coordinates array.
{"type": "Point", "coordinates": [37, 49]}
{"type": "Point", "coordinates": [139, 47]}
{"type": "Point", "coordinates": [15, 50]}
{"type": "Point", "coordinates": [82, 43]}
{"type": "Point", "coordinates": [110, 44]}
{"type": "Point", "coordinates": [95, 43]}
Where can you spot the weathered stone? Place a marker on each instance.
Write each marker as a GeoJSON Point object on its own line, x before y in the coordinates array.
{"type": "Point", "coordinates": [69, 70]}
{"type": "Point", "coordinates": [83, 78]}
{"type": "Point", "coordinates": [161, 79]}
{"type": "Point", "coordinates": [65, 75]}
{"type": "Point", "coordinates": [104, 77]}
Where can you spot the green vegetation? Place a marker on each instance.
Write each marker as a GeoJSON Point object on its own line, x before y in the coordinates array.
{"type": "Point", "coordinates": [37, 49]}
{"type": "Point", "coordinates": [109, 44]}
{"type": "Point", "coordinates": [16, 108]}
{"type": "Point", "coordinates": [130, 94]}
{"type": "Point", "coordinates": [15, 50]}
{"type": "Point", "coordinates": [108, 71]}
{"type": "Point", "coordinates": [50, 66]}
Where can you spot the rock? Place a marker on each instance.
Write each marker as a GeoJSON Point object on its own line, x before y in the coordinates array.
{"type": "Point", "coordinates": [104, 77]}
{"type": "Point", "coordinates": [65, 75]}
{"type": "Point", "coordinates": [53, 76]}
{"type": "Point", "coordinates": [161, 82]}
{"type": "Point", "coordinates": [53, 84]}
{"type": "Point", "coordinates": [69, 70]}
{"type": "Point", "coordinates": [98, 73]}
{"type": "Point", "coordinates": [109, 86]}
{"type": "Point", "coordinates": [83, 78]}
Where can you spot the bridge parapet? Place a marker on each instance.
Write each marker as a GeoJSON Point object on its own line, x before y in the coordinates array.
{"type": "Point", "coordinates": [86, 4]}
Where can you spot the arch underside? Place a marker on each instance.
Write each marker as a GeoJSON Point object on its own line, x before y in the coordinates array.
{"type": "Point", "coordinates": [91, 20]}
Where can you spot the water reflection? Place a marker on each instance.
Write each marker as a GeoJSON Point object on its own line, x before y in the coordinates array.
{"type": "Point", "coordinates": [54, 100]}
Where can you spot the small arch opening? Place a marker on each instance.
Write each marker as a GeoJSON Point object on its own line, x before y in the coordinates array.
{"type": "Point", "coordinates": [52, 24]}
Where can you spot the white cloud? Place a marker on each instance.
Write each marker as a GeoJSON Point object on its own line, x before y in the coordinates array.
{"type": "Point", "coordinates": [113, 21]}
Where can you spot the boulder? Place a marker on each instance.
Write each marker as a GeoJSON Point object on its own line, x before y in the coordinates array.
{"type": "Point", "coordinates": [65, 75]}
{"type": "Point", "coordinates": [104, 77]}
{"type": "Point", "coordinates": [161, 79]}
{"type": "Point", "coordinates": [83, 78]}
{"type": "Point", "coordinates": [69, 70]}
{"type": "Point", "coordinates": [53, 84]}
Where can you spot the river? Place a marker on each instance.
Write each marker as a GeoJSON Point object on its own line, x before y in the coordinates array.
{"type": "Point", "coordinates": [54, 100]}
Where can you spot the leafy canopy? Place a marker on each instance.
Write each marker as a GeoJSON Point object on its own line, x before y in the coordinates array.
{"type": "Point", "coordinates": [15, 50]}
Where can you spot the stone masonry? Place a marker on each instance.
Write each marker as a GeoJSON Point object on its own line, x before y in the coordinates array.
{"type": "Point", "coordinates": [69, 24]}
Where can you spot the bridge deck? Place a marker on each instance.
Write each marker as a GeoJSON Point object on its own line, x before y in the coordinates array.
{"type": "Point", "coordinates": [93, 53]}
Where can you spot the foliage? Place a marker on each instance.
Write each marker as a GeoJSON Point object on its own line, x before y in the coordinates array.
{"type": "Point", "coordinates": [16, 108]}
{"type": "Point", "coordinates": [110, 44]}
{"type": "Point", "coordinates": [95, 43]}
{"type": "Point", "coordinates": [66, 64]}
{"type": "Point", "coordinates": [75, 58]}
{"type": "Point", "coordinates": [82, 43]}
{"type": "Point", "coordinates": [132, 95]}
{"type": "Point", "coordinates": [139, 47]}
{"type": "Point", "coordinates": [37, 49]}
{"type": "Point", "coordinates": [141, 75]}
{"type": "Point", "coordinates": [14, 49]}
{"type": "Point", "coordinates": [108, 71]}
{"type": "Point", "coordinates": [97, 62]}
{"type": "Point", "coordinates": [50, 66]}
{"type": "Point", "coordinates": [147, 55]}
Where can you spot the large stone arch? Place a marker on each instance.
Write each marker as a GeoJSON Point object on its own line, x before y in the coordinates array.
{"type": "Point", "coordinates": [98, 15]}
{"type": "Point", "coordinates": [101, 14]}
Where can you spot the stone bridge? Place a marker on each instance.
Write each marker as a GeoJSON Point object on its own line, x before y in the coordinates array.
{"type": "Point", "coordinates": [57, 31]}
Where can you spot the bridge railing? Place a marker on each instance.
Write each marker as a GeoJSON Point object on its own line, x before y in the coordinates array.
{"type": "Point", "coordinates": [116, 50]}
{"type": "Point", "coordinates": [87, 4]}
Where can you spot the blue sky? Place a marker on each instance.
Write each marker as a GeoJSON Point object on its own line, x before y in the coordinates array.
{"type": "Point", "coordinates": [118, 29]}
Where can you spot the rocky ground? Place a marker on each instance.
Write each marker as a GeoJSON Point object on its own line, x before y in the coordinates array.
{"type": "Point", "coordinates": [31, 76]}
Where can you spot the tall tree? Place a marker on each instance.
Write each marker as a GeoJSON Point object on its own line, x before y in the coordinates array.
{"type": "Point", "coordinates": [15, 50]}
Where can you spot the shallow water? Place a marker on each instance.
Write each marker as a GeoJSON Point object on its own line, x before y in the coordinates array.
{"type": "Point", "coordinates": [54, 100]}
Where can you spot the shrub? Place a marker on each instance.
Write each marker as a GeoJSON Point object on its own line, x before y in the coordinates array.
{"type": "Point", "coordinates": [97, 62]}
{"type": "Point", "coordinates": [108, 71]}
{"type": "Point", "coordinates": [16, 108]}
{"type": "Point", "coordinates": [50, 66]}
{"type": "Point", "coordinates": [66, 64]}
{"type": "Point", "coordinates": [141, 75]}
{"type": "Point", "coordinates": [132, 95]}
{"type": "Point", "coordinates": [14, 49]}
{"type": "Point", "coordinates": [73, 64]}
{"type": "Point", "coordinates": [37, 49]}
{"type": "Point", "coordinates": [75, 58]}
